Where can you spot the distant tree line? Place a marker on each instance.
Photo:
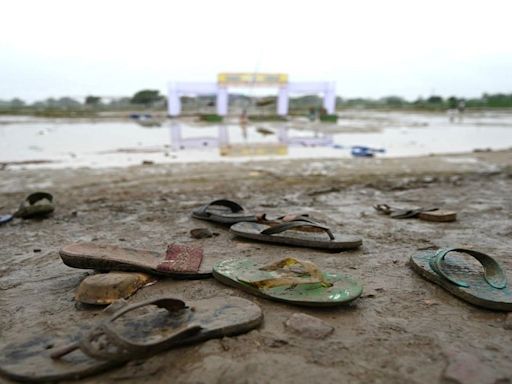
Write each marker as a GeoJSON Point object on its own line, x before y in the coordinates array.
{"type": "Point", "coordinates": [434, 102]}
{"type": "Point", "coordinates": [150, 98]}
{"type": "Point", "coordinates": [147, 98]}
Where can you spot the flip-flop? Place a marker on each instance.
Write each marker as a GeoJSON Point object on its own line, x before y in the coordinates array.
{"type": "Point", "coordinates": [180, 261]}
{"type": "Point", "coordinates": [289, 280]}
{"type": "Point", "coordinates": [38, 204]}
{"type": "Point", "coordinates": [427, 214]}
{"type": "Point", "coordinates": [298, 233]}
{"type": "Point", "coordinates": [121, 338]}
{"type": "Point", "coordinates": [462, 279]}
{"type": "Point", "coordinates": [438, 216]}
{"type": "Point", "coordinates": [222, 211]}
{"type": "Point", "coordinates": [5, 218]}
{"type": "Point", "coordinates": [105, 288]}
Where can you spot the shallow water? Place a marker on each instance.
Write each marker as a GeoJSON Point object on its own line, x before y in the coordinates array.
{"type": "Point", "coordinates": [104, 144]}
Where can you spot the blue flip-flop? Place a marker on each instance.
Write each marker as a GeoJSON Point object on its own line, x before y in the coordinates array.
{"type": "Point", "coordinates": [5, 218]}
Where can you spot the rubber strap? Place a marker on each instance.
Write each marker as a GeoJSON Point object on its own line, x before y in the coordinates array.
{"type": "Point", "coordinates": [383, 208]}
{"type": "Point", "coordinates": [37, 196]}
{"type": "Point", "coordinates": [408, 213]}
{"type": "Point", "coordinates": [262, 218]}
{"type": "Point", "coordinates": [181, 258]}
{"type": "Point", "coordinates": [288, 276]}
{"type": "Point", "coordinates": [235, 207]}
{"type": "Point", "coordinates": [493, 274]}
{"type": "Point", "coordinates": [105, 343]}
{"type": "Point", "coordinates": [399, 213]}
{"type": "Point", "coordinates": [294, 224]}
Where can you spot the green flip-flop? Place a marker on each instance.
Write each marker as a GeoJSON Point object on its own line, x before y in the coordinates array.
{"type": "Point", "coordinates": [38, 204]}
{"type": "Point", "coordinates": [463, 279]}
{"type": "Point", "coordinates": [289, 280]}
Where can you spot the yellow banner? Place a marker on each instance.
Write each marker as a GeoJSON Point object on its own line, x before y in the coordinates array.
{"type": "Point", "coordinates": [261, 79]}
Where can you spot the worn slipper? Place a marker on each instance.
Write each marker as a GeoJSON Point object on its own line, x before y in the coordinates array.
{"type": "Point", "coordinates": [5, 218]}
{"type": "Point", "coordinates": [297, 232]}
{"type": "Point", "coordinates": [289, 280]}
{"type": "Point", "coordinates": [463, 279]}
{"type": "Point", "coordinates": [105, 288]}
{"type": "Point", "coordinates": [222, 211]}
{"type": "Point", "coordinates": [180, 261]}
{"type": "Point", "coordinates": [438, 216]}
{"type": "Point", "coordinates": [427, 214]}
{"type": "Point", "coordinates": [38, 204]}
{"type": "Point", "coordinates": [124, 338]}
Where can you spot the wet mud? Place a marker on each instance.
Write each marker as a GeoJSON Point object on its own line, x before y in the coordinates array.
{"type": "Point", "coordinates": [402, 329]}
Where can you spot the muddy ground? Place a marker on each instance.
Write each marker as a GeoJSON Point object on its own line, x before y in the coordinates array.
{"type": "Point", "coordinates": [404, 329]}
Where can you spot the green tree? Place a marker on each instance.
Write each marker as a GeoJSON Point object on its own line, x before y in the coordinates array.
{"type": "Point", "coordinates": [452, 102]}
{"type": "Point", "coordinates": [17, 103]}
{"type": "Point", "coordinates": [393, 101]}
{"type": "Point", "coordinates": [435, 99]}
{"type": "Point", "coordinates": [93, 100]}
{"type": "Point", "coordinates": [146, 97]}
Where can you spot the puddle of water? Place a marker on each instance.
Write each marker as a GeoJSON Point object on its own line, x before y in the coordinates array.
{"type": "Point", "coordinates": [105, 144]}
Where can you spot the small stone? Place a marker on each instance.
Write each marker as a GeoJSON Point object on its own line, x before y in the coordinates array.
{"type": "Point", "coordinates": [37, 250]}
{"type": "Point", "coordinates": [148, 162]}
{"type": "Point", "coordinates": [201, 233]}
{"type": "Point", "coordinates": [309, 326]}
{"type": "Point", "coordinates": [464, 368]}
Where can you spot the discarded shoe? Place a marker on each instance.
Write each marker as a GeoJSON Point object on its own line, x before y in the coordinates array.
{"type": "Point", "coordinates": [38, 204]}
{"type": "Point", "coordinates": [223, 211]}
{"type": "Point", "coordinates": [297, 233]}
{"type": "Point", "coordinates": [124, 338]}
{"type": "Point", "coordinates": [462, 279]}
{"type": "Point", "coordinates": [105, 288]}
{"type": "Point", "coordinates": [427, 214]}
{"type": "Point", "coordinates": [289, 280]}
{"type": "Point", "coordinates": [180, 260]}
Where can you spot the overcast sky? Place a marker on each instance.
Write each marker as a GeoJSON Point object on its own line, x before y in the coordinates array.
{"type": "Point", "coordinates": [369, 48]}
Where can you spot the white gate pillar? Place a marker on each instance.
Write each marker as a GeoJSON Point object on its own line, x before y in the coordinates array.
{"type": "Point", "coordinates": [282, 101]}
{"type": "Point", "coordinates": [222, 101]}
{"type": "Point", "coordinates": [173, 101]}
{"type": "Point", "coordinates": [330, 99]}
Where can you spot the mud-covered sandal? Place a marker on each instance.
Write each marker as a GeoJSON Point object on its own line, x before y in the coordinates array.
{"type": "Point", "coordinates": [222, 211]}
{"type": "Point", "coordinates": [438, 215]}
{"type": "Point", "coordinates": [38, 204]}
{"type": "Point", "coordinates": [123, 338]}
{"type": "Point", "coordinates": [427, 214]}
{"type": "Point", "coordinates": [181, 261]}
{"type": "Point", "coordinates": [465, 280]}
{"type": "Point", "coordinates": [298, 233]}
{"type": "Point", "coordinates": [289, 280]}
{"type": "Point", "coordinates": [105, 288]}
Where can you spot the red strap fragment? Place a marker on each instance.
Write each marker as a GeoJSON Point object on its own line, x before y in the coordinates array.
{"type": "Point", "coordinates": [181, 258]}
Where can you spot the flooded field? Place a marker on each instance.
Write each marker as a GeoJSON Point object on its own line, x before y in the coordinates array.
{"type": "Point", "coordinates": [67, 143]}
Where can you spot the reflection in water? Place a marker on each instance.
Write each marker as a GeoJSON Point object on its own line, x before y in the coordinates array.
{"type": "Point", "coordinates": [106, 143]}
{"type": "Point", "coordinates": [248, 140]}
